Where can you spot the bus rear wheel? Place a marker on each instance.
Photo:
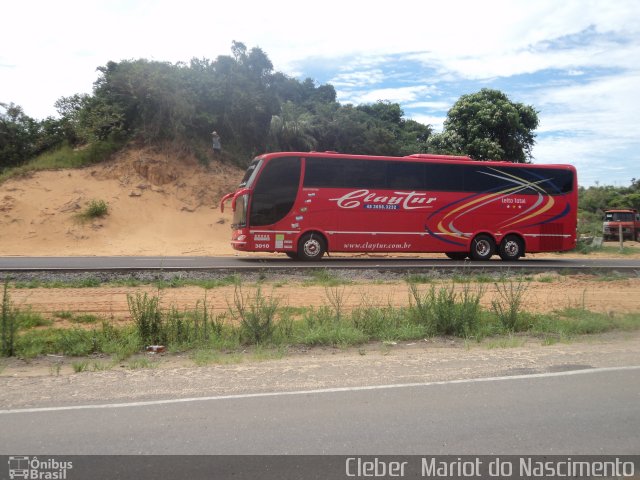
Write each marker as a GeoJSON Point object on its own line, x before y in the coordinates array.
{"type": "Point", "coordinates": [311, 247]}
{"type": "Point", "coordinates": [511, 248]}
{"type": "Point", "coordinates": [482, 247]}
{"type": "Point", "coordinates": [457, 255]}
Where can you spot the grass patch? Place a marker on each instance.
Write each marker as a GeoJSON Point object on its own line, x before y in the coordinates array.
{"type": "Point", "coordinates": [65, 157]}
{"type": "Point", "coordinates": [87, 282]}
{"type": "Point", "coordinates": [505, 342]}
{"type": "Point", "coordinates": [101, 366]}
{"type": "Point", "coordinates": [72, 342]}
{"type": "Point", "coordinates": [81, 366]}
{"type": "Point", "coordinates": [573, 321]}
{"type": "Point", "coordinates": [95, 282]}
{"type": "Point", "coordinates": [625, 250]}
{"type": "Point", "coordinates": [586, 248]}
{"type": "Point", "coordinates": [27, 319]}
{"type": "Point", "coordinates": [86, 318]}
{"type": "Point", "coordinates": [260, 324]}
{"type": "Point", "coordinates": [546, 279]}
{"type": "Point", "coordinates": [63, 315]}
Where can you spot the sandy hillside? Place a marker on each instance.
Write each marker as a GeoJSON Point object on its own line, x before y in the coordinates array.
{"type": "Point", "coordinates": [160, 203]}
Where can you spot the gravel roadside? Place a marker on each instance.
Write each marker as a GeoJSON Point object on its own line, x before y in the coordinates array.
{"type": "Point", "coordinates": [317, 368]}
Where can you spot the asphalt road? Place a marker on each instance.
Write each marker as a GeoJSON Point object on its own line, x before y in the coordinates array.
{"type": "Point", "coordinates": [593, 411]}
{"type": "Point", "coordinates": [281, 262]}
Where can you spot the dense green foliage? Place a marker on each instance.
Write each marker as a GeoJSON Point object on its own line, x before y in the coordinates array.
{"type": "Point", "coordinates": [22, 137]}
{"type": "Point", "coordinates": [254, 110]}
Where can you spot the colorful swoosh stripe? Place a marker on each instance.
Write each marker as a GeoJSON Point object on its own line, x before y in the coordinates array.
{"type": "Point", "coordinates": [446, 229]}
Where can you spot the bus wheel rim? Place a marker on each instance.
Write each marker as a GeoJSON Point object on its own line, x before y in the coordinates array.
{"type": "Point", "coordinates": [483, 247]}
{"type": "Point", "coordinates": [511, 248]}
{"type": "Point", "coordinates": [311, 248]}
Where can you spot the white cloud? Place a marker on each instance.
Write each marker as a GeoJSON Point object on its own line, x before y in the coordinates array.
{"type": "Point", "coordinates": [600, 159]}
{"type": "Point", "coordinates": [395, 95]}
{"type": "Point", "coordinates": [51, 49]}
{"type": "Point", "coordinates": [606, 107]}
{"type": "Point", "coordinates": [436, 122]}
{"type": "Point", "coordinates": [358, 79]}
{"type": "Point", "coordinates": [435, 105]}
{"type": "Point", "coordinates": [65, 41]}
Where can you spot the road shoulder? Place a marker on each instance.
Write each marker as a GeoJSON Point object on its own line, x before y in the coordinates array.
{"type": "Point", "coordinates": [318, 368]}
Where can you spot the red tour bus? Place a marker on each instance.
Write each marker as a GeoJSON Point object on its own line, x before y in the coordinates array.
{"type": "Point", "coordinates": [306, 204]}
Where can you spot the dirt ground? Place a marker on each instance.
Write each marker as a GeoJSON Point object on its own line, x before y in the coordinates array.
{"type": "Point", "coordinates": [158, 205]}
{"type": "Point", "coordinates": [545, 293]}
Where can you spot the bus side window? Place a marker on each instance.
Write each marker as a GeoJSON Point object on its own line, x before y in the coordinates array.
{"type": "Point", "coordinates": [406, 176]}
{"type": "Point", "coordinates": [324, 172]}
{"type": "Point", "coordinates": [365, 174]}
{"type": "Point", "coordinates": [445, 177]}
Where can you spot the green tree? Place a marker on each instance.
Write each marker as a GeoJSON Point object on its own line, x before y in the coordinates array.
{"type": "Point", "coordinates": [238, 95]}
{"type": "Point", "coordinates": [144, 97]}
{"type": "Point", "coordinates": [487, 125]}
{"type": "Point", "coordinates": [18, 135]}
{"type": "Point", "coordinates": [292, 129]}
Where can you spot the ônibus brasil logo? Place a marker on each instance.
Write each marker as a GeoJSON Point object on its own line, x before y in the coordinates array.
{"type": "Point", "coordinates": [33, 468]}
{"type": "Point", "coordinates": [373, 200]}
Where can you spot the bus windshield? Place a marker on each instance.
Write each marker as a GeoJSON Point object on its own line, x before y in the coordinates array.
{"type": "Point", "coordinates": [250, 174]}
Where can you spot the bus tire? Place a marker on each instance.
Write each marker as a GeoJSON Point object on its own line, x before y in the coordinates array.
{"type": "Point", "coordinates": [511, 248]}
{"type": "Point", "coordinates": [311, 246]}
{"type": "Point", "coordinates": [457, 255]}
{"type": "Point", "coordinates": [482, 247]}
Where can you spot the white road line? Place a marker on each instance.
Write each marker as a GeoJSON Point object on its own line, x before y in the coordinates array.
{"type": "Point", "coordinates": [319, 391]}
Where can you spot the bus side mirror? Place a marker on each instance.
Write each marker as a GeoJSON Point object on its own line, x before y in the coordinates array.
{"type": "Point", "coordinates": [224, 199]}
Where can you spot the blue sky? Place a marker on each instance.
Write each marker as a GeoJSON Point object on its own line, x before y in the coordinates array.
{"type": "Point", "coordinates": [576, 62]}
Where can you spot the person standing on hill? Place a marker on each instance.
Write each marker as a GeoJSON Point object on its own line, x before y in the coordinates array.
{"type": "Point", "coordinates": [217, 146]}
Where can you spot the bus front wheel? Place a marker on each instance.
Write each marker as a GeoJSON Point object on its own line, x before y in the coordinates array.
{"type": "Point", "coordinates": [311, 247]}
{"type": "Point", "coordinates": [482, 247]}
{"type": "Point", "coordinates": [511, 248]}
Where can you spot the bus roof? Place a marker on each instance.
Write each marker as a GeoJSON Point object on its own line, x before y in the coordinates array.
{"type": "Point", "coordinates": [416, 157]}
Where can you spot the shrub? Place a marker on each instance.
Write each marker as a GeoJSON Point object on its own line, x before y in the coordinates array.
{"type": "Point", "coordinates": [508, 304]}
{"type": "Point", "coordinates": [145, 312]}
{"type": "Point", "coordinates": [256, 315]}
{"type": "Point", "coordinates": [8, 323]}
{"type": "Point", "coordinates": [95, 209]}
{"type": "Point", "coordinates": [446, 312]}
